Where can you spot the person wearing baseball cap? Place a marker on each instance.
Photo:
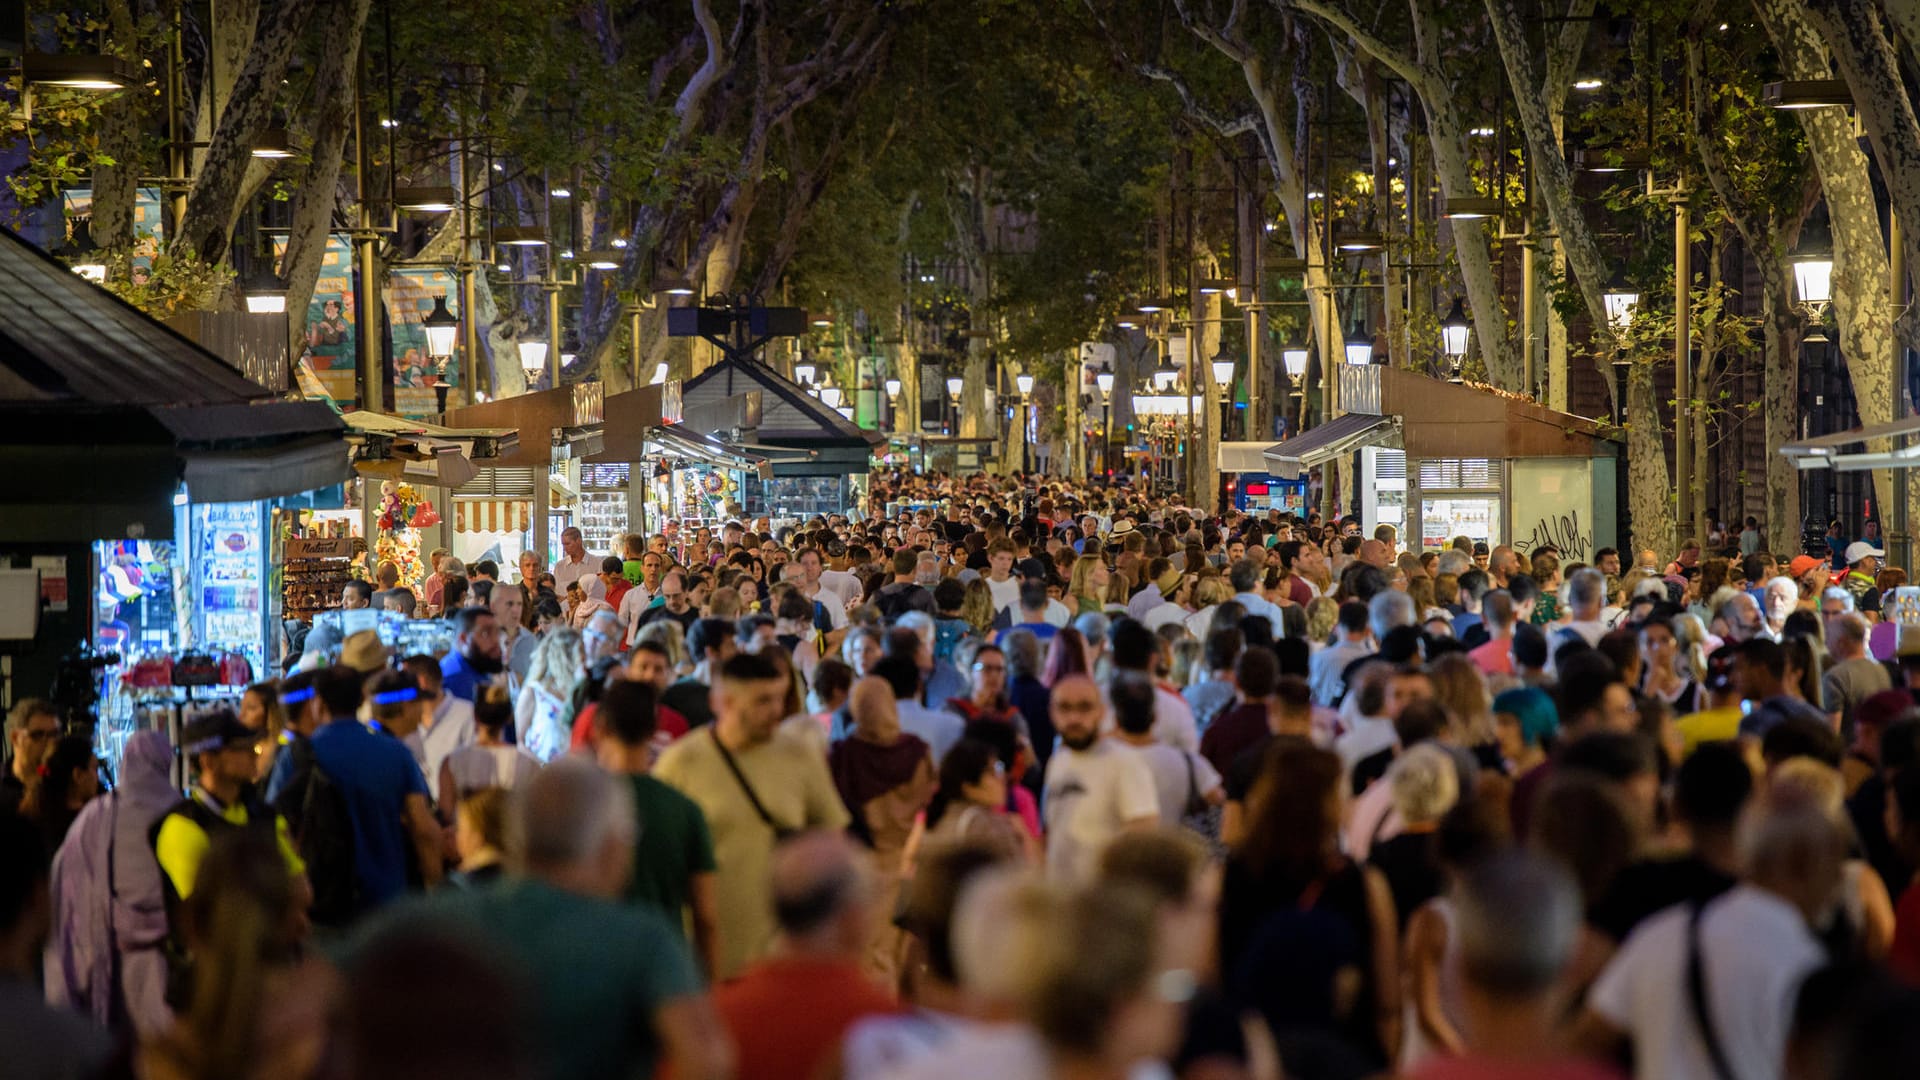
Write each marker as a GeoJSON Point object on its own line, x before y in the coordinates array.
{"type": "Point", "coordinates": [221, 750]}
{"type": "Point", "coordinates": [1863, 565]}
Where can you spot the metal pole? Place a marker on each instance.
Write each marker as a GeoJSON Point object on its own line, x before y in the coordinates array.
{"type": "Point", "coordinates": [176, 127]}
{"type": "Point", "coordinates": [1900, 534]}
{"type": "Point", "coordinates": [1529, 274]}
{"type": "Point", "coordinates": [469, 293]}
{"type": "Point", "coordinates": [1683, 362]}
{"type": "Point", "coordinates": [366, 330]}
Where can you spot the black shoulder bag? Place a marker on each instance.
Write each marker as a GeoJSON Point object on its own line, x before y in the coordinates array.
{"type": "Point", "coordinates": [1697, 996]}
{"type": "Point", "coordinates": [780, 832]}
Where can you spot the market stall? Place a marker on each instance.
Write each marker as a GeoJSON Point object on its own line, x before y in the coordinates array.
{"type": "Point", "coordinates": [1442, 459]}
{"type": "Point", "coordinates": [141, 473]}
{"type": "Point", "coordinates": [510, 504]}
{"type": "Point", "coordinates": [819, 459]}
{"type": "Point", "coordinates": [1245, 483]}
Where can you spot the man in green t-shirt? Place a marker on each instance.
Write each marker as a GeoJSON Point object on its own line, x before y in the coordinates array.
{"type": "Point", "coordinates": [609, 987]}
{"type": "Point", "coordinates": [673, 866]}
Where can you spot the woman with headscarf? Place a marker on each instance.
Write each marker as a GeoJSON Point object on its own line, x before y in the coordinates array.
{"type": "Point", "coordinates": [109, 914]}
{"type": "Point", "coordinates": [886, 777]}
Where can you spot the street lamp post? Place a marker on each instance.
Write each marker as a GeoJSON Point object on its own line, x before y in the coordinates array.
{"type": "Point", "coordinates": [1621, 299]}
{"type": "Point", "coordinates": [1024, 382]}
{"type": "Point", "coordinates": [442, 328]}
{"type": "Point", "coordinates": [1454, 332]}
{"type": "Point", "coordinates": [1104, 380]}
{"type": "Point", "coordinates": [1813, 281]}
{"type": "Point", "coordinates": [1223, 364]}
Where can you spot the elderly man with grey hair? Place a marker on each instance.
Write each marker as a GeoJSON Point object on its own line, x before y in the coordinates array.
{"type": "Point", "coordinates": [1736, 617]}
{"type": "Point", "coordinates": [1851, 676]}
{"type": "Point", "coordinates": [1508, 928]}
{"type": "Point", "coordinates": [939, 679]}
{"type": "Point", "coordinates": [1453, 561]}
{"type": "Point", "coordinates": [1778, 599]}
{"type": "Point", "coordinates": [1388, 611]}
{"type": "Point", "coordinates": [588, 1009]}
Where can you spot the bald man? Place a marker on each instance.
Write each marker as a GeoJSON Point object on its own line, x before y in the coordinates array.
{"type": "Point", "coordinates": [789, 1012]}
{"type": "Point", "coordinates": [872, 707]}
{"type": "Point", "coordinates": [1096, 788]}
{"type": "Point", "coordinates": [1374, 553]}
{"type": "Point", "coordinates": [1502, 563]}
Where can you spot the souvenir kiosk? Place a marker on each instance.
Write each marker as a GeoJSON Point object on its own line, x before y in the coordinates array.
{"type": "Point", "coordinates": [819, 460]}
{"type": "Point", "coordinates": [140, 468]}
{"type": "Point", "coordinates": [1441, 459]}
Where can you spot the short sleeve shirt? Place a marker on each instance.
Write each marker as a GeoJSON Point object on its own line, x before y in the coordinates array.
{"type": "Point", "coordinates": [1091, 795]}
{"type": "Point", "coordinates": [673, 845]}
{"type": "Point", "coordinates": [791, 781]}
{"type": "Point", "coordinates": [595, 971]}
{"type": "Point", "coordinates": [375, 774]}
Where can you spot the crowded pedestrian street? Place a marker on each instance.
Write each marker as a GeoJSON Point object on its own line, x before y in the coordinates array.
{"type": "Point", "coordinates": [957, 540]}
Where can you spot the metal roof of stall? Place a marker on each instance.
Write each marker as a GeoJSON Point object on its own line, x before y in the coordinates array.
{"type": "Point", "coordinates": [105, 412]}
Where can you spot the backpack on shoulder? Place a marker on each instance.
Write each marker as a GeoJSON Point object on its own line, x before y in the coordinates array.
{"type": "Point", "coordinates": [322, 829]}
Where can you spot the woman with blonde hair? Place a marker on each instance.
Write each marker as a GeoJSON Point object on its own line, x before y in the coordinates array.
{"type": "Point", "coordinates": [1322, 613]}
{"type": "Point", "coordinates": [668, 634]}
{"type": "Point", "coordinates": [1209, 593]}
{"type": "Point", "coordinates": [1691, 638]}
{"type": "Point", "coordinates": [1461, 690]}
{"type": "Point", "coordinates": [1861, 915]}
{"type": "Point", "coordinates": [543, 715]}
{"type": "Point", "coordinates": [1087, 586]}
{"type": "Point", "coordinates": [977, 609]}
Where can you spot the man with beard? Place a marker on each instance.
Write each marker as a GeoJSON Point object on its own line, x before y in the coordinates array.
{"type": "Point", "coordinates": [1096, 788]}
{"type": "Point", "coordinates": [475, 658]}
{"type": "Point", "coordinates": [674, 602]}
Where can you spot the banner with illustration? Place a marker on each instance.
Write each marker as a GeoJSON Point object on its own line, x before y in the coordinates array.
{"type": "Point", "coordinates": [332, 326]}
{"type": "Point", "coordinates": [147, 224]}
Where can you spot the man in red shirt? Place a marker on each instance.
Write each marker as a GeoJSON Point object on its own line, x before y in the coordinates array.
{"type": "Point", "coordinates": [789, 1013]}
{"type": "Point", "coordinates": [1498, 612]}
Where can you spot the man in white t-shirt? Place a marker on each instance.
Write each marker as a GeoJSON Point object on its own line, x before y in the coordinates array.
{"type": "Point", "coordinates": [1754, 947]}
{"type": "Point", "coordinates": [1181, 778]}
{"type": "Point", "coordinates": [1000, 580]}
{"type": "Point", "coordinates": [639, 598]}
{"type": "Point", "coordinates": [1586, 593]}
{"type": "Point", "coordinates": [1096, 788]}
{"type": "Point", "coordinates": [842, 589]}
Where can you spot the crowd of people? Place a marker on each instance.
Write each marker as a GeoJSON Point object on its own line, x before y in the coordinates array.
{"type": "Point", "coordinates": [1015, 780]}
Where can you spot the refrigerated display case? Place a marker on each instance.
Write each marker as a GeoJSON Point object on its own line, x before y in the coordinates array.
{"type": "Point", "coordinates": [603, 505]}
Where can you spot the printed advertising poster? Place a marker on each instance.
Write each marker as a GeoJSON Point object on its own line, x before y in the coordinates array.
{"type": "Point", "coordinates": [147, 225]}
{"type": "Point", "coordinates": [231, 569]}
{"type": "Point", "coordinates": [333, 325]}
